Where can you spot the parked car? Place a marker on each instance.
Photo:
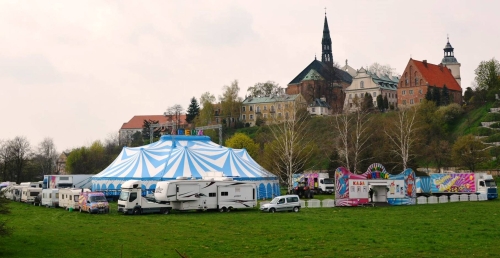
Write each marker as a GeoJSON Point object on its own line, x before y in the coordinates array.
{"type": "Point", "coordinates": [283, 203]}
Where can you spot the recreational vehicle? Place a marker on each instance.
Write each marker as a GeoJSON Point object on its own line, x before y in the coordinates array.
{"type": "Point", "coordinates": [15, 193]}
{"type": "Point", "coordinates": [28, 194]}
{"type": "Point", "coordinates": [50, 198]}
{"type": "Point", "coordinates": [68, 198]}
{"type": "Point", "coordinates": [215, 193]}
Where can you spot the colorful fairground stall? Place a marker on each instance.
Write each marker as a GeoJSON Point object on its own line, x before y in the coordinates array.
{"type": "Point", "coordinates": [376, 185]}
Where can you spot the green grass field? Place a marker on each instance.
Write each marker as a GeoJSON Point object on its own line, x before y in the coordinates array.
{"type": "Point", "coordinates": [439, 230]}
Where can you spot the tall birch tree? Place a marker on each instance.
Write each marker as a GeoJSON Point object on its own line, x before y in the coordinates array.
{"type": "Point", "coordinates": [402, 133]}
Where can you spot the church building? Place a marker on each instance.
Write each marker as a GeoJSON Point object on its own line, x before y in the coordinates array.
{"type": "Point", "coordinates": [421, 76]}
{"type": "Point", "coordinates": [321, 79]}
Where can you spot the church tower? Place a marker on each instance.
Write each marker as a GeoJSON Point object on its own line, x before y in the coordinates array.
{"type": "Point", "coordinates": [451, 62]}
{"type": "Point", "coordinates": [326, 44]}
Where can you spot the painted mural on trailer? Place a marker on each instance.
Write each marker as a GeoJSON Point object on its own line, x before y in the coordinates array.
{"type": "Point", "coordinates": [353, 190]}
{"type": "Point", "coordinates": [453, 183]}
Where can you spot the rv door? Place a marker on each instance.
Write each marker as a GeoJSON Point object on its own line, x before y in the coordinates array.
{"type": "Point", "coordinates": [188, 192]}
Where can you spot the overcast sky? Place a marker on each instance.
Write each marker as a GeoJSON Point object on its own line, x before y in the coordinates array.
{"type": "Point", "coordinates": [75, 71]}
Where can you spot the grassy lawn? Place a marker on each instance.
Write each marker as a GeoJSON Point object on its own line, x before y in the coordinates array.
{"type": "Point", "coordinates": [439, 230]}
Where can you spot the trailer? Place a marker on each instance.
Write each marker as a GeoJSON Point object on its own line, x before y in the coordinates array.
{"type": "Point", "coordinates": [68, 198]}
{"type": "Point", "coordinates": [210, 193]}
{"type": "Point", "coordinates": [15, 193]}
{"type": "Point", "coordinates": [67, 181]}
{"type": "Point", "coordinates": [50, 198]}
{"type": "Point", "coordinates": [131, 200]}
{"type": "Point", "coordinates": [28, 194]}
{"type": "Point", "coordinates": [457, 183]}
{"type": "Point", "coordinates": [310, 182]}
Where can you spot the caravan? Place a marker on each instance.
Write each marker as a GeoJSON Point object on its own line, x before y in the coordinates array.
{"type": "Point", "coordinates": [68, 198]}
{"type": "Point", "coordinates": [50, 198]}
{"type": "Point", "coordinates": [28, 194]}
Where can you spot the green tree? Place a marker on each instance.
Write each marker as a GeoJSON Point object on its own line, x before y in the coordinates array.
{"type": "Point", "coordinates": [487, 77]}
{"type": "Point", "coordinates": [263, 89]}
{"type": "Point", "coordinates": [469, 152]}
{"type": "Point", "coordinates": [380, 103]}
{"type": "Point", "coordinates": [386, 103]}
{"type": "Point", "coordinates": [193, 110]}
{"type": "Point", "coordinates": [146, 132]}
{"type": "Point", "coordinates": [445, 96]}
{"type": "Point", "coordinates": [231, 103]}
{"type": "Point", "coordinates": [468, 94]}
{"type": "Point", "coordinates": [4, 209]}
{"type": "Point", "coordinates": [206, 116]}
{"type": "Point", "coordinates": [428, 94]}
{"type": "Point", "coordinates": [367, 104]}
{"type": "Point", "coordinates": [240, 141]}
{"type": "Point", "coordinates": [436, 96]}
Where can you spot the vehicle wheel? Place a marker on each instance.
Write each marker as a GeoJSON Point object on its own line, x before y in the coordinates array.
{"type": "Point", "coordinates": [137, 211]}
{"type": "Point", "coordinates": [223, 209]}
{"type": "Point", "coordinates": [295, 209]}
{"type": "Point", "coordinates": [167, 211]}
{"type": "Point", "coordinates": [272, 210]}
{"type": "Point", "coordinates": [34, 204]}
{"type": "Point", "coordinates": [80, 209]}
{"type": "Point", "coordinates": [229, 209]}
{"type": "Point", "coordinates": [90, 211]}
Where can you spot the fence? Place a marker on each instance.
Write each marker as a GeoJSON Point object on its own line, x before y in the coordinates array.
{"type": "Point", "coordinates": [451, 198]}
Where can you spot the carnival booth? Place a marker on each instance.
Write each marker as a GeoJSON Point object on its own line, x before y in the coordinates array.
{"type": "Point", "coordinates": [376, 185]}
{"type": "Point", "coordinates": [175, 156]}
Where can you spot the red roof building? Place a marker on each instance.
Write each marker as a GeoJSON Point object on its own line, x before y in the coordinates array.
{"type": "Point", "coordinates": [136, 123]}
{"type": "Point", "coordinates": [419, 76]}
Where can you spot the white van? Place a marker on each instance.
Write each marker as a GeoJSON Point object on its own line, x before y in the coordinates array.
{"type": "Point", "coordinates": [28, 194]}
{"type": "Point", "coordinates": [50, 198]}
{"type": "Point", "coordinates": [16, 193]}
{"type": "Point", "coordinates": [282, 203]}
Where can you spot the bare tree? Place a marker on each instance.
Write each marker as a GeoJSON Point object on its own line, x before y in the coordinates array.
{"type": "Point", "coordinates": [379, 69]}
{"type": "Point", "coordinates": [354, 135]}
{"type": "Point", "coordinates": [206, 116]}
{"type": "Point", "coordinates": [403, 134]}
{"type": "Point", "coordinates": [291, 149]}
{"type": "Point", "coordinates": [174, 114]}
{"type": "Point", "coordinates": [19, 150]}
{"type": "Point", "coordinates": [5, 159]}
{"type": "Point", "coordinates": [46, 156]}
{"type": "Point", "coordinates": [263, 89]}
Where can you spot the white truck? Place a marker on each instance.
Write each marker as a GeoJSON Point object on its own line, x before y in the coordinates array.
{"type": "Point", "coordinates": [311, 182]}
{"type": "Point", "coordinates": [131, 200]}
{"type": "Point", "coordinates": [215, 193]}
{"type": "Point", "coordinates": [67, 181]}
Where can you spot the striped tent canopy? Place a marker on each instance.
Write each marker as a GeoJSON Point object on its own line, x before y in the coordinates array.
{"type": "Point", "coordinates": [181, 156]}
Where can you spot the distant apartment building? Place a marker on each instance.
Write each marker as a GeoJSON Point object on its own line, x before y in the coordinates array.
{"type": "Point", "coordinates": [270, 109]}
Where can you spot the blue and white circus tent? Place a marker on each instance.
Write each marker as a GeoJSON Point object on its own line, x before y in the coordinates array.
{"type": "Point", "coordinates": [176, 156]}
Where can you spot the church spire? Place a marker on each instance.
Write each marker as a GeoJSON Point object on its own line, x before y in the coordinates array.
{"type": "Point", "coordinates": [326, 45]}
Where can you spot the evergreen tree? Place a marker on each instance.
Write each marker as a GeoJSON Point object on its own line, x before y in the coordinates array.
{"type": "Point", "coordinates": [193, 111]}
{"type": "Point", "coordinates": [380, 103]}
{"type": "Point", "coordinates": [436, 96]}
{"type": "Point", "coordinates": [146, 131]}
{"type": "Point", "coordinates": [445, 96]}
{"type": "Point", "coordinates": [468, 94]}
{"type": "Point", "coordinates": [386, 103]}
{"type": "Point", "coordinates": [428, 94]}
{"type": "Point", "coordinates": [367, 104]}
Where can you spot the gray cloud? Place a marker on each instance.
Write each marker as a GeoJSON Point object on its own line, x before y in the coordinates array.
{"type": "Point", "coordinates": [31, 69]}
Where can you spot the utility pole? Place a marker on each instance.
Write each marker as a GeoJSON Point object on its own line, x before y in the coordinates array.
{"type": "Point", "coordinates": [151, 129]}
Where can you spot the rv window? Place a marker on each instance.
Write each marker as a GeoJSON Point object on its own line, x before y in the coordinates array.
{"type": "Point", "coordinates": [133, 196]}
{"type": "Point", "coordinates": [211, 195]}
{"type": "Point", "coordinates": [224, 194]}
{"type": "Point", "coordinates": [76, 198]}
{"type": "Point", "coordinates": [57, 195]}
{"type": "Point", "coordinates": [50, 195]}
{"type": "Point", "coordinates": [34, 193]}
{"type": "Point", "coordinates": [481, 183]}
{"type": "Point", "coordinates": [70, 197]}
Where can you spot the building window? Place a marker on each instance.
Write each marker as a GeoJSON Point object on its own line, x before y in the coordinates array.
{"type": "Point", "coordinates": [374, 94]}
{"type": "Point", "coordinates": [265, 108]}
{"type": "Point", "coordinates": [406, 82]}
{"type": "Point", "coordinates": [313, 110]}
{"type": "Point", "coordinates": [411, 101]}
{"type": "Point", "coordinates": [251, 117]}
{"type": "Point", "coordinates": [350, 96]}
{"type": "Point", "coordinates": [258, 109]}
{"type": "Point", "coordinates": [404, 101]}
{"type": "Point", "coordinates": [419, 91]}
{"type": "Point", "coordinates": [403, 92]}
{"type": "Point", "coordinates": [243, 108]}
{"type": "Point", "coordinates": [251, 108]}
{"type": "Point", "coordinates": [362, 84]}
{"type": "Point", "coordinates": [212, 195]}
{"type": "Point", "coordinates": [286, 115]}
{"type": "Point", "coordinates": [279, 106]}
{"type": "Point", "coordinates": [416, 81]}
{"type": "Point", "coordinates": [217, 120]}
{"type": "Point", "coordinates": [244, 117]}
{"type": "Point", "coordinates": [350, 105]}
{"type": "Point", "coordinates": [410, 92]}
{"type": "Point", "coordinates": [279, 114]}
{"type": "Point", "coordinates": [265, 115]}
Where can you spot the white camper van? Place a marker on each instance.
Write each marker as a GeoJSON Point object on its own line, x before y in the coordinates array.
{"type": "Point", "coordinates": [16, 193]}
{"type": "Point", "coordinates": [216, 193]}
{"type": "Point", "coordinates": [28, 194]}
{"type": "Point", "coordinates": [50, 198]}
{"type": "Point", "coordinates": [68, 198]}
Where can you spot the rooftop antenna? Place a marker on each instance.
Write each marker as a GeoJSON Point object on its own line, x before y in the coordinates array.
{"type": "Point", "coordinates": [325, 11]}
